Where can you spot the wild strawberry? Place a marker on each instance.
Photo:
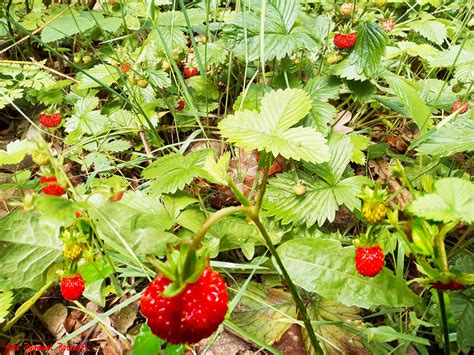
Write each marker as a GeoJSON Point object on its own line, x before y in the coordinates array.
{"type": "Point", "coordinates": [333, 58]}
{"type": "Point", "coordinates": [369, 260]}
{"type": "Point", "coordinates": [117, 197]}
{"type": "Point", "coordinates": [40, 158]}
{"type": "Point", "coordinates": [460, 105]}
{"type": "Point", "coordinates": [450, 286]}
{"type": "Point", "coordinates": [388, 25]}
{"type": "Point", "coordinates": [346, 9]}
{"type": "Point", "coordinates": [190, 316]}
{"type": "Point", "coordinates": [343, 41]}
{"type": "Point", "coordinates": [50, 120]}
{"type": "Point", "coordinates": [125, 67]}
{"type": "Point", "coordinates": [180, 105]}
{"type": "Point", "coordinates": [298, 188]}
{"type": "Point", "coordinates": [190, 72]}
{"type": "Point", "coordinates": [72, 251]}
{"type": "Point", "coordinates": [77, 59]}
{"type": "Point", "coordinates": [142, 83]}
{"type": "Point", "coordinates": [380, 3]}
{"type": "Point", "coordinates": [374, 211]}
{"type": "Point", "coordinates": [52, 187]}
{"type": "Point", "coordinates": [78, 214]}
{"type": "Point", "coordinates": [72, 287]}
{"type": "Point", "coordinates": [86, 59]}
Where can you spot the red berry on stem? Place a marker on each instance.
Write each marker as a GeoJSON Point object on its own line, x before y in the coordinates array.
{"type": "Point", "coordinates": [50, 121]}
{"type": "Point", "coordinates": [52, 187]}
{"type": "Point", "coordinates": [180, 105]}
{"type": "Point", "coordinates": [369, 260]}
{"type": "Point", "coordinates": [117, 197]}
{"type": "Point", "coordinates": [345, 40]}
{"type": "Point", "coordinates": [388, 25]}
{"type": "Point", "coordinates": [459, 104]}
{"type": "Point", "coordinates": [72, 287]}
{"type": "Point", "coordinates": [190, 72]}
{"type": "Point", "coordinates": [190, 316]}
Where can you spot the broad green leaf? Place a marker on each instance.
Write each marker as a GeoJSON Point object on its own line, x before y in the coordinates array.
{"type": "Point", "coordinates": [369, 49]}
{"type": "Point", "coordinates": [29, 247]}
{"type": "Point", "coordinates": [462, 308]}
{"type": "Point", "coordinates": [65, 26]}
{"type": "Point", "coordinates": [85, 119]}
{"type": "Point", "coordinates": [455, 137]}
{"type": "Point", "coordinates": [465, 73]}
{"type": "Point", "coordinates": [217, 171]}
{"type": "Point", "coordinates": [250, 98]}
{"type": "Point", "coordinates": [264, 311]}
{"type": "Point", "coordinates": [452, 200]}
{"type": "Point", "coordinates": [385, 334]}
{"type": "Point", "coordinates": [6, 301]}
{"type": "Point", "coordinates": [431, 29]}
{"type": "Point", "coordinates": [455, 54]}
{"type": "Point", "coordinates": [424, 50]}
{"type": "Point", "coordinates": [146, 342]}
{"type": "Point", "coordinates": [15, 152]}
{"type": "Point", "coordinates": [104, 73]}
{"type": "Point", "coordinates": [323, 88]}
{"type": "Point", "coordinates": [174, 171]}
{"type": "Point", "coordinates": [323, 266]}
{"type": "Point", "coordinates": [360, 143]}
{"type": "Point", "coordinates": [110, 24]}
{"type": "Point", "coordinates": [270, 129]}
{"type": "Point", "coordinates": [56, 209]}
{"type": "Point", "coordinates": [408, 94]}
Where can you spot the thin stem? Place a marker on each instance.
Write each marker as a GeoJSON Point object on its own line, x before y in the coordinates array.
{"type": "Point", "coordinates": [238, 192]}
{"type": "Point", "coordinates": [442, 253]}
{"type": "Point", "coordinates": [444, 320]}
{"type": "Point", "coordinates": [459, 242]}
{"type": "Point", "coordinates": [294, 292]}
{"type": "Point", "coordinates": [262, 188]}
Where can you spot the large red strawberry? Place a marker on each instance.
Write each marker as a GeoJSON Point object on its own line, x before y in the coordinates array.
{"type": "Point", "coordinates": [52, 187]}
{"type": "Point", "coordinates": [50, 121]}
{"type": "Point", "coordinates": [460, 105]}
{"type": "Point", "coordinates": [343, 41]}
{"type": "Point", "coordinates": [369, 260]}
{"type": "Point", "coordinates": [190, 316]}
{"type": "Point", "coordinates": [72, 287]}
{"type": "Point", "coordinates": [190, 72]}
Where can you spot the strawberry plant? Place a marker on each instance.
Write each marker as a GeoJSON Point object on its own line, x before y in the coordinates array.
{"type": "Point", "coordinates": [179, 175]}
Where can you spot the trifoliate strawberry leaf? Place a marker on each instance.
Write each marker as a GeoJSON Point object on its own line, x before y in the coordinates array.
{"type": "Point", "coordinates": [174, 171]}
{"type": "Point", "coordinates": [85, 119]}
{"type": "Point", "coordinates": [65, 26]}
{"type": "Point", "coordinates": [325, 189]}
{"type": "Point", "coordinates": [360, 143]}
{"type": "Point", "coordinates": [323, 266]}
{"type": "Point", "coordinates": [217, 171]}
{"type": "Point", "coordinates": [431, 29]}
{"type": "Point", "coordinates": [270, 129]}
{"type": "Point", "coordinates": [452, 200]}
{"type": "Point", "coordinates": [369, 49]}
{"type": "Point", "coordinates": [107, 74]}
{"type": "Point", "coordinates": [6, 301]}
{"type": "Point", "coordinates": [15, 152]}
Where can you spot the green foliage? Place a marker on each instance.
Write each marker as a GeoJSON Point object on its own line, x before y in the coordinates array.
{"type": "Point", "coordinates": [325, 267]}
{"type": "Point", "coordinates": [15, 152]}
{"type": "Point", "coordinates": [270, 129]}
{"type": "Point", "coordinates": [6, 301]}
{"type": "Point", "coordinates": [326, 189]}
{"type": "Point", "coordinates": [452, 200]}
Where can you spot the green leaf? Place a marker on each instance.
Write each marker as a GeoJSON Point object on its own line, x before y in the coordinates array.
{"type": "Point", "coordinates": [264, 311]}
{"type": "Point", "coordinates": [465, 73]}
{"type": "Point", "coordinates": [431, 29]}
{"type": "Point", "coordinates": [146, 342]}
{"type": "Point", "coordinates": [65, 26]}
{"type": "Point", "coordinates": [86, 120]}
{"type": "Point", "coordinates": [369, 49]}
{"type": "Point", "coordinates": [107, 74]}
{"type": "Point", "coordinates": [270, 129]}
{"type": "Point", "coordinates": [385, 334]}
{"type": "Point", "coordinates": [251, 98]}
{"type": "Point", "coordinates": [29, 247]}
{"type": "Point", "coordinates": [462, 308]}
{"type": "Point", "coordinates": [15, 152]}
{"type": "Point", "coordinates": [424, 50]}
{"type": "Point", "coordinates": [110, 24]}
{"type": "Point", "coordinates": [408, 94]}
{"type": "Point", "coordinates": [56, 209]}
{"type": "Point", "coordinates": [455, 137]}
{"type": "Point", "coordinates": [453, 54]}
{"type": "Point", "coordinates": [217, 171]}
{"type": "Point", "coordinates": [174, 171]}
{"type": "Point", "coordinates": [6, 301]}
{"type": "Point", "coordinates": [452, 200]}
{"type": "Point", "coordinates": [325, 267]}
{"type": "Point", "coordinates": [360, 143]}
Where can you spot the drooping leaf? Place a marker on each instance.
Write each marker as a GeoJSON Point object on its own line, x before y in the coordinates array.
{"type": "Point", "coordinates": [452, 200]}
{"type": "Point", "coordinates": [270, 129]}
{"type": "Point", "coordinates": [325, 267]}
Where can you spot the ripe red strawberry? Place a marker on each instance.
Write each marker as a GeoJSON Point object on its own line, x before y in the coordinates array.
{"type": "Point", "coordinates": [180, 105]}
{"type": "Point", "coordinates": [369, 260]}
{"type": "Point", "coordinates": [342, 40]}
{"type": "Point", "coordinates": [72, 287]}
{"type": "Point", "coordinates": [458, 104]}
{"type": "Point", "coordinates": [190, 316]}
{"type": "Point", "coordinates": [117, 197]}
{"type": "Point", "coordinates": [388, 25]}
{"type": "Point", "coordinates": [78, 214]}
{"type": "Point", "coordinates": [125, 67]}
{"type": "Point", "coordinates": [450, 286]}
{"type": "Point", "coordinates": [190, 72]}
{"type": "Point", "coordinates": [52, 187]}
{"type": "Point", "coordinates": [50, 121]}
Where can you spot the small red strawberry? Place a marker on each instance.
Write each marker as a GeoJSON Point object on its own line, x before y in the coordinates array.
{"type": "Point", "coordinates": [343, 41]}
{"type": "Point", "coordinates": [459, 104]}
{"type": "Point", "coordinates": [190, 316]}
{"type": "Point", "coordinates": [450, 286]}
{"type": "Point", "coordinates": [72, 287]}
{"type": "Point", "coordinates": [78, 214]}
{"type": "Point", "coordinates": [388, 25]}
{"type": "Point", "coordinates": [190, 72]}
{"type": "Point", "coordinates": [52, 187]}
{"type": "Point", "coordinates": [50, 121]}
{"type": "Point", "coordinates": [180, 105]}
{"type": "Point", "coordinates": [369, 260]}
{"type": "Point", "coordinates": [117, 197]}
{"type": "Point", "coordinates": [125, 67]}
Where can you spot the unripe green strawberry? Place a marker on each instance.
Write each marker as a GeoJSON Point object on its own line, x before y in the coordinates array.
{"type": "Point", "coordinates": [346, 9]}
{"type": "Point", "coordinates": [298, 188]}
{"type": "Point", "coordinates": [374, 211]}
{"type": "Point", "coordinates": [72, 251]}
{"type": "Point", "coordinates": [40, 158]}
{"type": "Point", "coordinates": [77, 59]}
{"type": "Point", "coordinates": [142, 83]}
{"type": "Point", "coordinates": [380, 3]}
{"type": "Point", "coordinates": [86, 59]}
{"type": "Point", "coordinates": [333, 58]}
